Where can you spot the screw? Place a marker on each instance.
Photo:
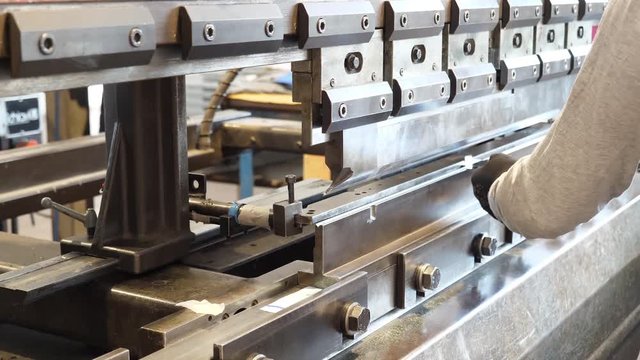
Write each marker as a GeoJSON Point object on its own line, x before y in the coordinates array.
{"type": "Point", "coordinates": [269, 28]}
{"type": "Point", "coordinates": [332, 82]}
{"type": "Point", "coordinates": [537, 11]}
{"type": "Point", "coordinates": [467, 16]}
{"type": "Point", "coordinates": [434, 66]}
{"type": "Point", "coordinates": [404, 20]}
{"type": "Point", "coordinates": [516, 13]}
{"type": "Point", "coordinates": [547, 68]}
{"type": "Point", "coordinates": [46, 43]}
{"type": "Point", "coordinates": [209, 32]}
{"type": "Point", "coordinates": [513, 74]}
{"type": "Point", "coordinates": [365, 22]}
{"type": "Point", "coordinates": [490, 80]}
{"type": "Point", "coordinates": [383, 102]}
{"type": "Point", "coordinates": [321, 25]}
{"type": "Point", "coordinates": [535, 70]}
{"type": "Point", "coordinates": [353, 62]}
{"type": "Point", "coordinates": [410, 95]}
{"type": "Point", "coordinates": [416, 54]}
{"type": "Point", "coordinates": [290, 180]}
{"type": "Point", "coordinates": [574, 9]}
{"type": "Point", "coordinates": [356, 319]}
{"type": "Point", "coordinates": [436, 17]}
{"type": "Point", "coordinates": [342, 110]}
{"type": "Point", "coordinates": [135, 37]}
{"type": "Point", "coordinates": [401, 71]}
{"type": "Point", "coordinates": [493, 14]}
{"type": "Point", "coordinates": [463, 85]}
{"type": "Point", "coordinates": [556, 10]}
{"type": "Point", "coordinates": [443, 90]}
{"type": "Point", "coordinates": [427, 277]}
{"type": "Point", "coordinates": [374, 76]}
{"type": "Point", "coordinates": [589, 7]}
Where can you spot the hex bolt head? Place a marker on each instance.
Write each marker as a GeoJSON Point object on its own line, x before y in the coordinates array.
{"type": "Point", "coordinates": [356, 319]}
{"type": "Point", "coordinates": [488, 246]}
{"type": "Point", "coordinates": [427, 277]}
{"type": "Point", "coordinates": [209, 32]}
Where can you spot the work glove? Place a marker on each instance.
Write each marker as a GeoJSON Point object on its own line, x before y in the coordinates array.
{"type": "Point", "coordinates": [486, 175]}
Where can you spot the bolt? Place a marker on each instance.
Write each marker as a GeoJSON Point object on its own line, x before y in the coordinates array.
{"type": "Point", "coordinates": [46, 44]}
{"type": "Point", "coordinates": [490, 80]}
{"type": "Point", "coordinates": [467, 16]}
{"type": "Point", "coordinates": [427, 277]}
{"type": "Point", "coordinates": [463, 85]}
{"type": "Point", "coordinates": [356, 319]}
{"type": "Point", "coordinates": [485, 245]}
{"type": "Point", "coordinates": [353, 62]}
{"type": "Point", "coordinates": [516, 13]}
{"type": "Point", "coordinates": [321, 25]}
{"type": "Point", "coordinates": [135, 37]}
{"type": "Point", "coordinates": [342, 110]}
{"type": "Point", "coordinates": [269, 28]}
{"type": "Point", "coordinates": [365, 22]}
{"type": "Point", "coordinates": [404, 19]}
{"type": "Point", "coordinates": [290, 180]}
{"type": "Point", "coordinates": [383, 102]}
{"type": "Point", "coordinates": [537, 11]}
{"type": "Point", "coordinates": [513, 74]}
{"type": "Point", "coordinates": [556, 10]}
{"type": "Point", "coordinates": [332, 82]}
{"type": "Point", "coordinates": [209, 32]}
{"type": "Point", "coordinates": [436, 17]}
{"type": "Point", "coordinates": [410, 95]}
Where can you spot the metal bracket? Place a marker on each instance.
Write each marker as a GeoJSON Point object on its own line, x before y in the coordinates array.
{"type": "Point", "coordinates": [353, 106]}
{"type": "Point", "coordinates": [472, 81]}
{"type": "Point", "coordinates": [521, 13]}
{"type": "Point", "coordinates": [225, 30]}
{"type": "Point", "coordinates": [322, 24]}
{"type": "Point", "coordinates": [420, 90]}
{"type": "Point", "coordinates": [519, 71]}
{"type": "Point", "coordinates": [75, 39]}
{"type": "Point", "coordinates": [555, 64]}
{"type": "Point", "coordinates": [473, 15]}
{"type": "Point", "coordinates": [591, 9]}
{"type": "Point", "coordinates": [560, 11]}
{"type": "Point", "coordinates": [578, 54]}
{"type": "Point", "coordinates": [407, 20]}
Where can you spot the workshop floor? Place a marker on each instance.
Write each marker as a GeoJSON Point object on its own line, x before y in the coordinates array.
{"type": "Point", "coordinates": [38, 225]}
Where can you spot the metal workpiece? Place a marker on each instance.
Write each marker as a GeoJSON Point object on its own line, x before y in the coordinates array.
{"type": "Point", "coordinates": [472, 81]}
{"type": "Point", "coordinates": [591, 9]}
{"type": "Point", "coordinates": [322, 24]}
{"type": "Point", "coordinates": [578, 54]}
{"type": "Point", "coordinates": [514, 298]}
{"type": "Point", "coordinates": [412, 92]}
{"type": "Point", "coordinates": [44, 42]}
{"type": "Point", "coordinates": [474, 15]}
{"type": "Point", "coordinates": [560, 11]}
{"type": "Point", "coordinates": [519, 71]}
{"type": "Point", "coordinates": [555, 64]}
{"type": "Point", "coordinates": [520, 13]}
{"type": "Point", "coordinates": [349, 107]}
{"type": "Point", "coordinates": [404, 19]}
{"type": "Point", "coordinates": [224, 30]}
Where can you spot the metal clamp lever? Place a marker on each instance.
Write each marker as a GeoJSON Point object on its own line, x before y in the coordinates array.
{"type": "Point", "coordinates": [89, 218]}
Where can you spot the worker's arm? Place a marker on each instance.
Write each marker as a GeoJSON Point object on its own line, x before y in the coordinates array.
{"type": "Point", "coordinates": [592, 151]}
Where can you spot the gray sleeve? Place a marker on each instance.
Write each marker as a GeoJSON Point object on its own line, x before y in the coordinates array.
{"type": "Point", "coordinates": [592, 151]}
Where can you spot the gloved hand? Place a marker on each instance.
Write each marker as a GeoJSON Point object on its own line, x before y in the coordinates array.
{"type": "Point", "coordinates": [486, 175]}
